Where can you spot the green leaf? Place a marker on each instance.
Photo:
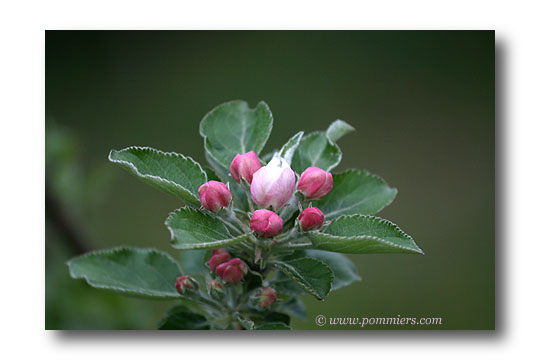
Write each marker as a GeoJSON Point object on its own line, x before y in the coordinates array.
{"type": "Point", "coordinates": [273, 326]}
{"type": "Point", "coordinates": [343, 268]}
{"type": "Point", "coordinates": [173, 173]}
{"type": "Point", "coordinates": [312, 275]}
{"type": "Point", "coordinates": [338, 129]}
{"type": "Point", "coordinates": [316, 149]}
{"type": "Point", "coordinates": [233, 128]}
{"type": "Point", "coordinates": [180, 318]}
{"type": "Point", "coordinates": [193, 229]}
{"type": "Point", "coordinates": [193, 261]}
{"type": "Point", "coordinates": [287, 151]}
{"type": "Point", "coordinates": [356, 192]}
{"type": "Point", "coordinates": [239, 195]}
{"type": "Point", "coordinates": [363, 234]}
{"type": "Point", "coordinates": [130, 271]}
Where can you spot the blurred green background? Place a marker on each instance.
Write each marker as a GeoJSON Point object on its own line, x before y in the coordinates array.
{"type": "Point", "coordinates": [423, 104]}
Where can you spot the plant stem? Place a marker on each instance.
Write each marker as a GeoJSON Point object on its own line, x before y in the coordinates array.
{"type": "Point", "coordinates": [297, 245]}
{"type": "Point", "coordinates": [291, 235]}
{"type": "Point", "coordinates": [250, 202]}
{"type": "Point", "coordinates": [204, 300]}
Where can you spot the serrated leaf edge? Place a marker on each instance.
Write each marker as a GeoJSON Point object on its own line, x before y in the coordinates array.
{"type": "Point", "coordinates": [117, 250]}
{"type": "Point", "coordinates": [171, 154]}
{"type": "Point", "coordinates": [371, 237]}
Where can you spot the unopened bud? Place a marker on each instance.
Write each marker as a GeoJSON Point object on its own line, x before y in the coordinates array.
{"type": "Point", "coordinates": [244, 166]}
{"type": "Point", "coordinates": [232, 271]}
{"type": "Point", "coordinates": [266, 298]}
{"type": "Point", "coordinates": [214, 195]}
{"type": "Point", "coordinates": [186, 284]}
{"type": "Point", "coordinates": [311, 218]}
{"type": "Point", "coordinates": [219, 256]}
{"type": "Point", "coordinates": [315, 183]}
{"type": "Point", "coordinates": [266, 223]}
{"type": "Point", "coordinates": [216, 289]}
{"type": "Point", "coordinates": [273, 184]}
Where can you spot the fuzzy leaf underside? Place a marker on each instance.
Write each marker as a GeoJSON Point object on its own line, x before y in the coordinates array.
{"type": "Point", "coordinates": [173, 173]}
{"type": "Point", "coordinates": [129, 271]}
{"type": "Point", "coordinates": [193, 229]}
{"type": "Point", "coordinates": [356, 192]}
{"type": "Point", "coordinates": [338, 129]}
{"type": "Point", "coordinates": [233, 128]}
{"type": "Point", "coordinates": [315, 149]}
{"type": "Point", "coordinates": [288, 150]}
{"type": "Point", "coordinates": [363, 234]}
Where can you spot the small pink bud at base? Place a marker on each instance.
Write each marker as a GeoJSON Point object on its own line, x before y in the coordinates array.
{"type": "Point", "coordinates": [244, 166]}
{"type": "Point", "coordinates": [311, 218]}
{"type": "Point", "coordinates": [185, 284]}
{"type": "Point", "coordinates": [315, 183]}
{"type": "Point", "coordinates": [214, 195]}
{"type": "Point", "coordinates": [266, 223]}
{"type": "Point", "coordinates": [216, 289]}
{"type": "Point", "coordinates": [273, 184]}
{"type": "Point", "coordinates": [266, 298]}
{"type": "Point", "coordinates": [219, 256]}
{"type": "Point", "coordinates": [232, 271]}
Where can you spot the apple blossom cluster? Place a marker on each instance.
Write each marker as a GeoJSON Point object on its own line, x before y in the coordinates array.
{"type": "Point", "coordinates": [257, 230]}
{"type": "Point", "coordinates": [272, 188]}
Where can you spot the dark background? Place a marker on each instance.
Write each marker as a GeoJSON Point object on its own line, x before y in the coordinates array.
{"type": "Point", "coordinates": [423, 106]}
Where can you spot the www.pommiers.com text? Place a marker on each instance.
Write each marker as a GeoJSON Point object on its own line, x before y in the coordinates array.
{"type": "Point", "coordinates": [398, 320]}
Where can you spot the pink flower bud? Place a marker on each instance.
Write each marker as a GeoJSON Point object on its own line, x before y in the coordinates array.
{"type": "Point", "coordinates": [314, 183]}
{"type": "Point", "coordinates": [244, 166]}
{"type": "Point", "coordinates": [266, 297]}
{"type": "Point", "coordinates": [266, 223]}
{"type": "Point", "coordinates": [185, 284]}
{"type": "Point", "coordinates": [273, 184]}
{"type": "Point", "coordinates": [214, 195]}
{"type": "Point", "coordinates": [219, 256]}
{"type": "Point", "coordinates": [232, 271]}
{"type": "Point", "coordinates": [311, 218]}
